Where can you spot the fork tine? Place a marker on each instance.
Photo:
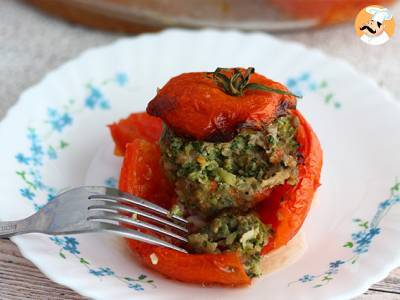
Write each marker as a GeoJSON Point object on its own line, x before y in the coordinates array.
{"type": "Point", "coordinates": [129, 209]}
{"type": "Point", "coordinates": [124, 197]}
{"type": "Point", "coordinates": [140, 236]}
{"type": "Point", "coordinates": [104, 217]}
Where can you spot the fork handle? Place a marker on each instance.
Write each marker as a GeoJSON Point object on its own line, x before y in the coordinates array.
{"type": "Point", "coordinates": [11, 228]}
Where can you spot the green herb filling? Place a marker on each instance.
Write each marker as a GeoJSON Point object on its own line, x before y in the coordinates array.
{"type": "Point", "coordinates": [209, 177]}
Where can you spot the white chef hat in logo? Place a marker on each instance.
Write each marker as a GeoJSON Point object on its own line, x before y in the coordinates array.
{"type": "Point", "coordinates": [379, 14]}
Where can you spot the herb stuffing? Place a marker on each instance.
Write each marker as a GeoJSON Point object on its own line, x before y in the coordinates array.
{"type": "Point", "coordinates": [243, 233]}
{"type": "Point", "coordinates": [233, 150]}
{"type": "Point", "coordinates": [209, 177]}
{"type": "Point", "coordinates": [219, 183]}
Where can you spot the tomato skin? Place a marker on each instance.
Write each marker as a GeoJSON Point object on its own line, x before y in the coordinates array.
{"type": "Point", "coordinates": [224, 269]}
{"type": "Point", "coordinates": [194, 106]}
{"type": "Point", "coordinates": [287, 207]}
{"type": "Point", "coordinates": [142, 175]}
{"type": "Point", "coordinates": [137, 125]}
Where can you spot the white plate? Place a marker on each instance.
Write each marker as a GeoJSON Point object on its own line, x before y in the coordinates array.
{"type": "Point", "coordinates": [57, 129]}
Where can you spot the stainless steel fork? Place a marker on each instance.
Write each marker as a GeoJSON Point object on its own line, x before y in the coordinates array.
{"type": "Point", "coordinates": [95, 208]}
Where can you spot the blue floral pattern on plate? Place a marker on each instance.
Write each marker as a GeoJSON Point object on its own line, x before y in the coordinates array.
{"type": "Point", "coordinates": [360, 242]}
{"type": "Point", "coordinates": [306, 83]}
{"type": "Point", "coordinates": [59, 119]}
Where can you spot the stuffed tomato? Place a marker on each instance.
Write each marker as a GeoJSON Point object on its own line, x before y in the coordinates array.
{"type": "Point", "coordinates": [229, 151]}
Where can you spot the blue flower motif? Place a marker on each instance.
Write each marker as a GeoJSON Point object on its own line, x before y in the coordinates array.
{"type": "Point", "coordinates": [71, 245]}
{"type": "Point", "coordinates": [51, 153]}
{"type": "Point", "coordinates": [335, 264]}
{"type": "Point", "coordinates": [22, 159]}
{"type": "Point", "coordinates": [291, 83]}
{"type": "Point", "coordinates": [71, 240]}
{"type": "Point", "coordinates": [312, 86]}
{"type": "Point", "coordinates": [37, 161]}
{"type": "Point", "coordinates": [90, 102]}
{"type": "Point", "coordinates": [37, 179]}
{"type": "Point", "coordinates": [306, 83]}
{"type": "Point", "coordinates": [107, 271]}
{"type": "Point", "coordinates": [25, 192]}
{"type": "Point", "coordinates": [57, 240]}
{"type": "Point", "coordinates": [136, 287]}
{"type": "Point", "coordinates": [307, 278]}
{"type": "Point", "coordinates": [66, 119]}
{"type": "Point", "coordinates": [37, 207]}
{"type": "Point", "coordinates": [104, 105]}
{"type": "Point", "coordinates": [338, 105]}
{"type": "Point", "coordinates": [71, 250]}
{"type": "Point", "coordinates": [305, 76]}
{"type": "Point", "coordinates": [36, 149]}
{"type": "Point", "coordinates": [35, 174]}
{"type": "Point", "coordinates": [58, 121]}
{"type": "Point", "coordinates": [363, 239]}
{"type": "Point", "coordinates": [51, 190]}
{"type": "Point", "coordinates": [357, 236]}
{"type": "Point", "coordinates": [374, 231]}
{"type": "Point", "coordinates": [111, 182]}
{"type": "Point", "coordinates": [293, 86]}
{"type": "Point", "coordinates": [95, 99]}
{"type": "Point", "coordinates": [385, 204]}
{"type": "Point", "coordinates": [51, 112]}
{"type": "Point", "coordinates": [297, 92]}
{"type": "Point", "coordinates": [102, 272]}
{"type": "Point", "coordinates": [121, 78]}
{"type": "Point", "coordinates": [38, 184]}
{"type": "Point", "coordinates": [332, 271]}
{"type": "Point", "coordinates": [32, 136]}
{"type": "Point", "coordinates": [40, 152]}
{"type": "Point", "coordinates": [96, 273]}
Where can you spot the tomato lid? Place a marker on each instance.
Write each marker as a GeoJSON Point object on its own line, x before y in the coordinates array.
{"type": "Point", "coordinates": [213, 106]}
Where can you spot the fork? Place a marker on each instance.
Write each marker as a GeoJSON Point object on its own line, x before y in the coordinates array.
{"type": "Point", "coordinates": [96, 208]}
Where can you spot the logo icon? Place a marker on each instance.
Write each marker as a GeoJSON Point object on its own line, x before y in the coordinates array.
{"type": "Point", "coordinates": [374, 25]}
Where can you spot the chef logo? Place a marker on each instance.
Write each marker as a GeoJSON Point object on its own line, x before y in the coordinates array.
{"type": "Point", "coordinates": [374, 25]}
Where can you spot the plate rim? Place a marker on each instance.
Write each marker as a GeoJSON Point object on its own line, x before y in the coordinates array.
{"type": "Point", "coordinates": [24, 97]}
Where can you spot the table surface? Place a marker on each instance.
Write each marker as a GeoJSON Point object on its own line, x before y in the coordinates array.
{"type": "Point", "coordinates": [32, 43]}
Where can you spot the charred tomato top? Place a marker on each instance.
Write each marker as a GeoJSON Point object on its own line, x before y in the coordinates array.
{"type": "Point", "coordinates": [213, 106]}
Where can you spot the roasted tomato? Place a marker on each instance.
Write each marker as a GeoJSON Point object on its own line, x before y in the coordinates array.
{"type": "Point", "coordinates": [285, 210]}
{"type": "Point", "coordinates": [287, 207]}
{"type": "Point", "coordinates": [139, 125]}
{"type": "Point", "coordinates": [141, 175]}
{"type": "Point", "coordinates": [212, 106]}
